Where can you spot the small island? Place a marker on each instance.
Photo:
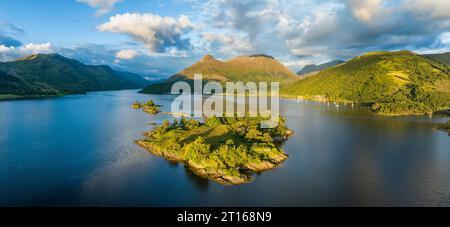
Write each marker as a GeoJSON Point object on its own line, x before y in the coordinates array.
{"type": "Point", "coordinates": [445, 127]}
{"type": "Point", "coordinates": [226, 150]}
{"type": "Point", "coordinates": [148, 107]}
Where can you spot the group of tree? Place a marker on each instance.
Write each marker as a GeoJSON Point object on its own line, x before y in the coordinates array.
{"type": "Point", "coordinates": [148, 107]}
{"type": "Point", "coordinates": [227, 144]}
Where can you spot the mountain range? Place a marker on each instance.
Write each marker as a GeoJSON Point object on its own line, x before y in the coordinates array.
{"type": "Point", "coordinates": [310, 70]}
{"type": "Point", "coordinates": [399, 82]}
{"type": "Point", "coordinates": [396, 83]}
{"type": "Point", "coordinates": [443, 58]}
{"type": "Point", "coordinates": [243, 68]}
{"type": "Point", "coordinates": [53, 74]}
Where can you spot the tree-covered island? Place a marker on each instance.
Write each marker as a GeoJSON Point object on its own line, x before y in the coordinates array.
{"type": "Point", "coordinates": [226, 150]}
{"type": "Point", "coordinates": [148, 107]}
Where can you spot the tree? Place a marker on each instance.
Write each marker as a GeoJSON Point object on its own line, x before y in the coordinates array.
{"type": "Point", "coordinates": [253, 133]}
{"type": "Point", "coordinates": [197, 150]}
{"type": "Point", "coordinates": [136, 105]}
{"type": "Point", "coordinates": [213, 122]}
{"type": "Point", "coordinates": [192, 124]}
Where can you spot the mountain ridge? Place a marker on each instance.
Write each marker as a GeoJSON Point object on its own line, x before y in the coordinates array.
{"type": "Point", "coordinates": [313, 68]}
{"type": "Point", "coordinates": [247, 68]}
{"type": "Point", "coordinates": [396, 83]}
{"type": "Point", "coordinates": [444, 58]}
{"type": "Point", "coordinates": [54, 74]}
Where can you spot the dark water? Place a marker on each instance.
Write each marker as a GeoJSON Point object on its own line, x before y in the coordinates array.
{"type": "Point", "coordinates": [79, 151]}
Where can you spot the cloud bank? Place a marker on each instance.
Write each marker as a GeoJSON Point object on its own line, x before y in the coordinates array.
{"type": "Point", "coordinates": [158, 34]}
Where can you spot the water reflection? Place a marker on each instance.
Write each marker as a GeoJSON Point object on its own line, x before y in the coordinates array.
{"type": "Point", "coordinates": [79, 150]}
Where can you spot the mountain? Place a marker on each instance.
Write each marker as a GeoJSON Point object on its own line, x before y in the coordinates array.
{"type": "Point", "coordinates": [313, 69]}
{"type": "Point", "coordinates": [257, 68]}
{"type": "Point", "coordinates": [444, 58]}
{"type": "Point", "coordinates": [390, 82]}
{"type": "Point", "coordinates": [134, 78]}
{"type": "Point", "coordinates": [53, 74]}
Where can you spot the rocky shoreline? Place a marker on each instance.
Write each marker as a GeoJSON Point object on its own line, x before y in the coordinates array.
{"type": "Point", "coordinates": [218, 176]}
{"type": "Point", "coordinates": [215, 164]}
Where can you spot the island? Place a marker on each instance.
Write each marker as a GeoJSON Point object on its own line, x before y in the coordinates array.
{"type": "Point", "coordinates": [227, 150]}
{"type": "Point", "coordinates": [148, 107]}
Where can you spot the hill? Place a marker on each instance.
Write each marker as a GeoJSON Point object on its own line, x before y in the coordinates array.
{"type": "Point", "coordinates": [53, 74]}
{"type": "Point", "coordinates": [257, 68]}
{"type": "Point", "coordinates": [444, 58]}
{"type": "Point", "coordinates": [312, 69]}
{"type": "Point", "coordinates": [134, 78]}
{"type": "Point", "coordinates": [390, 82]}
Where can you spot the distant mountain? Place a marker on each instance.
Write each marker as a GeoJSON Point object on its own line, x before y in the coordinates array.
{"type": "Point", "coordinates": [244, 68]}
{"type": "Point", "coordinates": [443, 58]}
{"type": "Point", "coordinates": [53, 74]}
{"type": "Point", "coordinates": [390, 82]}
{"type": "Point", "coordinates": [134, 78]}
{"type": "Point", "coordinates": [311, 69]}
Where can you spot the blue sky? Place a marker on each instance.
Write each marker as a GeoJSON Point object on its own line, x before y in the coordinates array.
{"type": "Point", "coordinates": [160, 37]}
{"type": "Point", "coordinates": [69, 21]}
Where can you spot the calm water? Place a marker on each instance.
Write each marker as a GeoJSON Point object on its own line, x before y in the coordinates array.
{"type": "Point", "coordinates": [79, 151]}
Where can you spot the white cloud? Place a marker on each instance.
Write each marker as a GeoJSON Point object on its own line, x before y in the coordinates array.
{"type": "Point", "coordinates": [445, 37]}
{"type": "Point", "coordinates": [103, 6]}
{"type": "Point", "coordinates": [9, 53]}
{"type": "Point", "coordinates": [5, 49]}
{"type": "Point", "coordinates": [126, 54]}
{"type": "Point", "coordinates": [231, 44]}
{"type": "Point", "coordinates": [365, 10]}
{"type": "Point", "coordinates": [295, 65]}
{"type": "Point", "coordinates": [157, 33]}
{"type": "Point", "coordinates": [40, 48]}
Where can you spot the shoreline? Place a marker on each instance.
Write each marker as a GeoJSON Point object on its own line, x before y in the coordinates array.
{"type": "Point", "coordinates": [230, 159]}
{"type": "Point", "coordinates": [216, 176]}
{"type": "Point", "coordinates": [444, 111]}
{"type": "Point", "coordinates": [13, 97]}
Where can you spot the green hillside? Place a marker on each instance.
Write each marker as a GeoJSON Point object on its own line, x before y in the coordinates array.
{"type": "Point", "coordinates": [53, 74]}
{"type": "Point", "coordinates": [443, 58]}
{"type": "Point", "coordinates": [244, 68]}
{"type": "Point", "coordinates": [390, 82]}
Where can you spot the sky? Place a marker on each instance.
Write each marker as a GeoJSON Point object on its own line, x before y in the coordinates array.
{"type": "Point", "coordinates": [158, 38]}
